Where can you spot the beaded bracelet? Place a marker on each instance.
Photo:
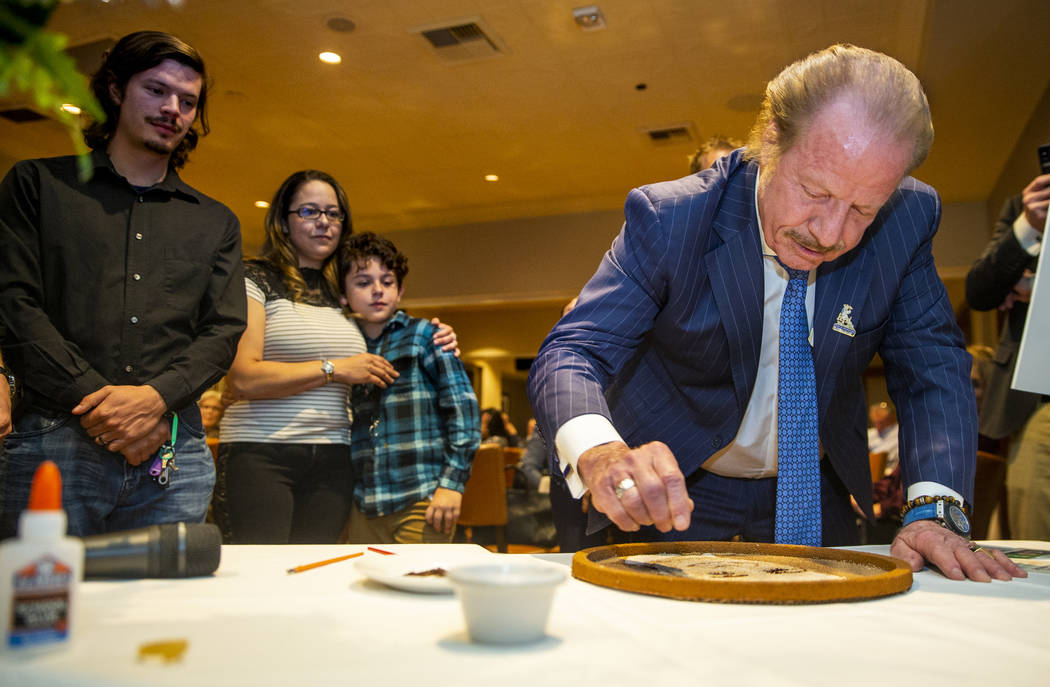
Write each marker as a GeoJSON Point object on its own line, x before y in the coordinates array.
{"type": "Point", "coordinates": [923, 500]}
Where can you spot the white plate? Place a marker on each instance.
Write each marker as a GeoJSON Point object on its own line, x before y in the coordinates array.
{"type": "Point", "coordinates": [392, 571]}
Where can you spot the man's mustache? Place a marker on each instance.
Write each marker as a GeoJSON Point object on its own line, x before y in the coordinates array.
{"type": "Point", "coordinates": [808, 243]}
{"type": "Point", "coordinates": [165, 121]}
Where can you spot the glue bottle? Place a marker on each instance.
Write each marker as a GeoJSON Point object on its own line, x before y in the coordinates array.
{"type": "Point", "coordinates": [40, 570]}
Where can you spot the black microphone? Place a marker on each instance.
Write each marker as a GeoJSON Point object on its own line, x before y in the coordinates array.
{"type": "Point", "coordinates": [175, 550]}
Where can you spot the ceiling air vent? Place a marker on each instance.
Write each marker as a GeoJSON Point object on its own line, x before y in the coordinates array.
{"type": "Point", "coordinates": [672, 134]}
{"type": "Point", "coordinates": [462, 40]}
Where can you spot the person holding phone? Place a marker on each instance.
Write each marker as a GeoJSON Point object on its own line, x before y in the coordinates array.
{"type": "Point", "coordinates": [1002, 278]}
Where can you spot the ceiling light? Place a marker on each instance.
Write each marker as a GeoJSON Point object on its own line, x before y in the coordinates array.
{"type": "Point", "coordinates": [491, 177]}
{"type": "Point", "coordinates": [262, 204]}
{"type": "Point", "coordinates": [330, 58]}
{"type": "Point", "coordinates": [589, 18]}
{"type": "Point", "coordinates": [70, 108]}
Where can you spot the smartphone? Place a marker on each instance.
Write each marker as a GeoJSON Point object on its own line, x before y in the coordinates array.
{"type": "Point", "coordinates": [1044, 159]}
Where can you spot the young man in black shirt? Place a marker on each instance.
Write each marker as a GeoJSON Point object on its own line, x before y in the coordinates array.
{"type": "Point", "coordinates": [121, 299]}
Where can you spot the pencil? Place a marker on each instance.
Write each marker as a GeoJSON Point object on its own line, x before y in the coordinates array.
{"type": "Point", "coordinates": [318, 564]}
{"type": "Point", "coordinates": [385, 553]}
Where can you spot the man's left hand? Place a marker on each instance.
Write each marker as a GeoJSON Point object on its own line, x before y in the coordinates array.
{"type": "Point", "coordinates": [443, 511]}
{"type": "Point", "coordinates": [926, 541]}
{"type": "Point", "coordinates": [117, 416]}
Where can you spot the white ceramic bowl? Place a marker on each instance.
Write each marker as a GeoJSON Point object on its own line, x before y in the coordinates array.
{"type": "Point", "coordinates": [506, 603]}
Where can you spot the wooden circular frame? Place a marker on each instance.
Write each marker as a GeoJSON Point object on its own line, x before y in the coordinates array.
{"type": "Point", "coordinates": [864, 575]}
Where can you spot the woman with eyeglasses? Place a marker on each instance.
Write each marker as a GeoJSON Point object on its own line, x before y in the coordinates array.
{"type": "Point", "coordinates": [284, 473]}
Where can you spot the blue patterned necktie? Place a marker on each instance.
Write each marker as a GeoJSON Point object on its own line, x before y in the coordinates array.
{"type": "Point", "coordinates": [798, 519]}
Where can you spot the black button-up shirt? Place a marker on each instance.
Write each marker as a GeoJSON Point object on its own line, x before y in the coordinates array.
{"type": "Point", "coordinates": [101, 283]}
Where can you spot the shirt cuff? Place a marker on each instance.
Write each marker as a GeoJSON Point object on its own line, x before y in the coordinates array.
{"type": "Point", "coordinates": [920, 489]}
{"type": "Point", "coordinates": [1028, 236]}
{"type": "Point", "coordinates": [576, 436]}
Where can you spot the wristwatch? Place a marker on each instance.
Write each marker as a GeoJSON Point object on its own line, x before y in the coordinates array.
{"type": "Point", "coordinates": [329, 370]}
{"type": "Point", "coordinates": [944, 512]}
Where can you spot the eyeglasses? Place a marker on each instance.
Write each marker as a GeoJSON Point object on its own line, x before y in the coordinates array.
{"type": "Point", "coordinates": [312, 212]}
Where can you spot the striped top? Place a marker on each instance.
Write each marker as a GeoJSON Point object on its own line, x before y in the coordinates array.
{"type": "Point", "coordinates": [296, 332]}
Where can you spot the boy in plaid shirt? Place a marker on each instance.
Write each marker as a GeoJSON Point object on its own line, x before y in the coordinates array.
{"type": "Point", "coordinates": [411, 443]}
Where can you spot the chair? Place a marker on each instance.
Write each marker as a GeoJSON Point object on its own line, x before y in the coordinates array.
{"type": "Point", "coordinates": [485, 495]}
{"type": "Point", "coordinates": [511, 457]}
{"type": "Point", "coordinates": [988, 486]}
{"type": "Point", "coordinates": [877, 462]}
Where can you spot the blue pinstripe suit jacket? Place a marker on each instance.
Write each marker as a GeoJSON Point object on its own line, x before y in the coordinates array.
{"type": "Point", "coordinates": [664, 340]}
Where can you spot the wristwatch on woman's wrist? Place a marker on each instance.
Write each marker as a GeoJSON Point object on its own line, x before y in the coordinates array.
{"type": "Point", "coordinates": [329, 370]}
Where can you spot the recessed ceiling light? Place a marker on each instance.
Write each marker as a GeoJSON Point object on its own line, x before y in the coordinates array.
{"type": "Point", "coordinates": [262, 204]}
{"type": "Point", "coordinates": [70, 108]}
{"type": "Point", "coordinates": [330, 58]}
{"type": "Point", "coordinates": [491, 177]}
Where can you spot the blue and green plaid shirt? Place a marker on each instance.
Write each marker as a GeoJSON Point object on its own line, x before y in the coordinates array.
{"type": "Point", "coordinates": [418, 434]}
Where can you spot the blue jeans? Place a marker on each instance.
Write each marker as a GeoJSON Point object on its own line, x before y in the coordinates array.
{"type": "Point", "coordinates": [101, 492]}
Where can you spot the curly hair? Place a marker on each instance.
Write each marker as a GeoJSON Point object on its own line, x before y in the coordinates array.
{"type": "Point", "coordinates": [358, 249]}
{"type": "Point", "coordinates": [278, 250]}
{"type": "Point", "coordinates": [134, 53]}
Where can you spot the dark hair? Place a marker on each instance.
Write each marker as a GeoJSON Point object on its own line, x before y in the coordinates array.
{"type": "Point", "coordinates": [278, 251]}
{"type": "Point", "coordinates": [359, 248]}
{"type": "Point", "coordinates": [134, 53]}
{"type": "Point", "coordinates": [497, 428]}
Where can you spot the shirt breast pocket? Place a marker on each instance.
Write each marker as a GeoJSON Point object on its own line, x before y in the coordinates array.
{"type": "Point", "coordinates": [186, 277]}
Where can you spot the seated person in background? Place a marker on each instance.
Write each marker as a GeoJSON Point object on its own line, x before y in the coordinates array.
{"type": "Point", "coordinates": [212, 409]}
{"type": "Point", "coordinates": [533, 464]}
{"type": "Point", "coordinates": [412, 441]}
{"type": "Point", "coordinates": [882, 435]}
{"type": "Point", "coordinates": [983, 356]}
{"type": "Point", "coordinates": [712, 149]}
{"type": "Point", "coordinates": [513, 438]}
{"type": "Point", "coordinates": [493, 430]}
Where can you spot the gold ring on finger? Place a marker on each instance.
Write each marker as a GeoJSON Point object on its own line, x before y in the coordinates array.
{"type": "Point", "coordinates": [625, 484]}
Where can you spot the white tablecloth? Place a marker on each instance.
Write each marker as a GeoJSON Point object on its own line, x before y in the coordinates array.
{"type": "Point", "coordinates": [253, 624]}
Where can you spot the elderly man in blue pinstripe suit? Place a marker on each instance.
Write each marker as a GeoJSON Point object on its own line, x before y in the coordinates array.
{"type": "Point", "coordinates": [660, 389]}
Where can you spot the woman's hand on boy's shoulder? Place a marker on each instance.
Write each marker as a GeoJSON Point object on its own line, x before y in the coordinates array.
{"type": "Point", "coordinates": [445, 337]}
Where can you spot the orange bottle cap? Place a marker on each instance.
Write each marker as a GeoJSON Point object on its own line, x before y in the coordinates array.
{"type": "Point", "coordinates": [46, 492]}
